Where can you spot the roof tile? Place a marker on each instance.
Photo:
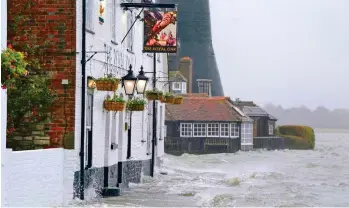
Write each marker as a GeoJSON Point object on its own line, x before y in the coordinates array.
{"type": "Point", "coordinates": [202, 109]}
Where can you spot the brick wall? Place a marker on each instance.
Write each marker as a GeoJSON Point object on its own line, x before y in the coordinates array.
{"type": "Point", "coordinates": [53, 22]}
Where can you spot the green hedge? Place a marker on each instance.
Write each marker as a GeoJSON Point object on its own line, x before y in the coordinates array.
{"type": "Point", "coordinates": [297, 137]}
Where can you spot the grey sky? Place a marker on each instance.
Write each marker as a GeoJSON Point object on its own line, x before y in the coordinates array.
{"type": "Point", "coordinates": [288, 52]}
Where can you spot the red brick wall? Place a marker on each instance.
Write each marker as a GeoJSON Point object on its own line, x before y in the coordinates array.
{"type": "Point", "coordinates": [54, 21]}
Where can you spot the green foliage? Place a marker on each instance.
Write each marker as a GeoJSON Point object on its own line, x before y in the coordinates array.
{"type": "Point", "coordinates": [137, 101]}
{"type": "Point", "coordinates": [168, 94]}
{"type": "Point", "coordinates": [29, 100]}
{"type": "Point", "coordinates": [156, 91]}
{"type": "Point", "coordinates": [13, 65]}
{"type": "Point", "coordinates": [109, 79]}
{"type": "Point", "coordinates": [297, 137]}
{"type": "Point", "coordinates": [116, 98]}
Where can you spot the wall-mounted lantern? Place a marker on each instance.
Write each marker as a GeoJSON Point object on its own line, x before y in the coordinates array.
{"type": "Point", "coordinates": [129, 82]}
{"type": "Point", "coordinates": [142, 81]}
{"type": "Point", "coordinates": [91, 83]}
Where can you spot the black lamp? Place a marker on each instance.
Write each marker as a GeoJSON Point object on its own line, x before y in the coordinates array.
{"type": "Point", "coordinates": [142, 81]}
{"type": "Point", "coordinates": [129, 82]}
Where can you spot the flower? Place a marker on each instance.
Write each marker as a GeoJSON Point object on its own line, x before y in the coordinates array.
{"type": "Point", "coordinates": [25, 73]}
{"type": "Point", "coordinates": [12, 67]}
{"type": "Point", "coordinates": [9, 46]}
{"type": "Point", "coordinates": [3, 87]}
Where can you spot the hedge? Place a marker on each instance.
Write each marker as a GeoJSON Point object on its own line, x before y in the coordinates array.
{"type": "Point", "coordinates": [297, 137]}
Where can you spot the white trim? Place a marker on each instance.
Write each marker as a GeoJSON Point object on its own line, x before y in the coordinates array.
{"type": "Point", "coordinates": [212, 126]}
{"type": "Point", "coordinates": [271, 130]}
{"type": "Point", "coordinates": [186, 125]}
{"type": "Point", "coordinates": [220, 130]}
{"type": "Point", "coordinates": [246, 134]}
{"type": "Point", "coordinates": [199, 126]}
{"type": "Point", "coordinates": [232, 130]}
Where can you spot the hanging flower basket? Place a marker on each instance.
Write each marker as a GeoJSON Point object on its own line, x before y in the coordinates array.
{"type": "Point", "coordinates": [163, 99]}
{"type": "Point", "coordinates": [178, 100]}
{"type": "Point", "coordinates": [136, 104]}
{"type": "Point", "coordinates": [169, 99]}
{"type": "Point", "coordinates": [114, 104]}
{"type": "Point", "coordinates": [107, 84]}
{"type": "Point", "coordinates": [153, 95]}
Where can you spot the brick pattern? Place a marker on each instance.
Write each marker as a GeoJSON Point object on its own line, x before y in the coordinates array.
{"type": "Point", "coordinates": [53, 21]}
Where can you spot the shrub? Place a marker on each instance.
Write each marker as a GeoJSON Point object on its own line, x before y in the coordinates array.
{"type": "Point", "coordinates": [297, 137]}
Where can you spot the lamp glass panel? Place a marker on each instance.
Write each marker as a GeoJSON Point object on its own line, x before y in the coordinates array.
{"type": "Point", "coordinates": [129, 86]}
{"type": "Point", "coordinates": [141, 84]}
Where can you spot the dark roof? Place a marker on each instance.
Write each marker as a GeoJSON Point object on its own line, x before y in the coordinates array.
{"type": "Point", "coordinates": [202, 109]}
{"type": "Point", "coordinates": [176, 76]}
{"type": "Point", "coordinates": [257, 111]}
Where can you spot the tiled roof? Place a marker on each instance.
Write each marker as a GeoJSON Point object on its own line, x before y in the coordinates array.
{"type": "Point", "coordinates": [195, 95]}
{"type": "Point", "coordinates": [202, 109]}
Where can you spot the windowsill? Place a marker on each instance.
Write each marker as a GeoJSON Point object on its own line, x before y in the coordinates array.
{"type": "Point", "coordinates": [234, 137]}
{"type": "Point", "coordinates": [131, 52]}
{"type": "Point", "coordinates": [246, 143]}
{"type": "Point", "coordinates": [90, 31]}
{"type": "Point", "coordinates": [113, 42]}
{"type": "Point", "coordinates": [130, 158]}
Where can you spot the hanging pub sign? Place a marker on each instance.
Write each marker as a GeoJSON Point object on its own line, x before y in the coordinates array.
{"type": "Point", "coordinates": [160, 31]}
{"type": "Point", "coordinates": [101, 11]}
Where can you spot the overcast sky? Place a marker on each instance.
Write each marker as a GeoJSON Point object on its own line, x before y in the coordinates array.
{"type": "Point", "coordinates": [288, 52]}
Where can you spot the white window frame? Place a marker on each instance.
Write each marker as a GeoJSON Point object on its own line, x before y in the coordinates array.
{"type": "Point", "coordinates": [186, 130]}
{"type": "Point", "coordinates": [199, 129]}
{"type": "Point", "coordinates": [223, 128]}
{"type": "Point", "coordinates": [211, 129]}
{"type": "Point", "coordinates": [130, 36]}
{"type": "Point", "coordinates": [184, 86]}
{"type": "Point", "coordinates": [271, 129]}
{"type": "Point", "coordinates": [234, 130]}
{"type": "Point", "coordinates": [246, 134]}
{"type": "Point", "coordinates": [174, 86]}
{"type": "Point", "coordinates": [90, 14]}
{"type": "Point", "coordinates": [113, 20]}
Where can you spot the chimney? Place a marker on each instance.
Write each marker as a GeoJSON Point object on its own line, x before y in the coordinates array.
{"type": "Point", "coordinates": [186, 69]}
{"type": "Point", "coordinates": [205, 86]}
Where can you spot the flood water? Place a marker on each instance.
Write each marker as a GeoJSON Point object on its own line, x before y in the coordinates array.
{"type": "Point", "coordinates": [258, 178]}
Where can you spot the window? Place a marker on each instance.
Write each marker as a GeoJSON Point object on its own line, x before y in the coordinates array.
{"type": "Point", "coordinates": [204, 87]}
{"type": "Point", "coordinates": [213, 130]}
{"type": "Point", "coordinates": [199, 130]}
{"type": "Point", "coordinates": [89, 125]}
{"type": "Point", "coordinates": [224, 130]}
{"type": "Point", "coordinates": [184, 85]}
{"type": "Point", "coordinates": [89, 14]}
{"type": "Point", "coordinates": [271, 129]}
{"type": "Point", "coordinates": [113, 21]}
{"type": "Point", "coordinates": [246, 133]}
{"type": "Point", "coordinates": [186, 129]}
{"type": "Point", "coordinates": [130, 34]}
{"type": "Point", "coordinates": [176, 86]}
{"type": "Point", "coordinates": [158, 57]}
{"type": "Point", "coordinates": [234, 130]}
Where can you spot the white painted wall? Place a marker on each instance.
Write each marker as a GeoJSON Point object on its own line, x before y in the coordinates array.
{"type": "Point", "coordinates": [37, 178]}
{"type": "Point", "coordinates": [117, 63]}
{"type": "Point", "coordinates": [3, 24]}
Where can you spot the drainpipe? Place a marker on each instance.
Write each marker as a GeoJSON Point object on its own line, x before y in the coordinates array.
{"type": "Point", "coordinates": [83, 91]}
{"type": "Point", "coordinates": [154, 121]}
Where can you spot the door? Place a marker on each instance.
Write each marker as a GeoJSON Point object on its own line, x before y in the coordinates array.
{"type": "Point", "coordinates": [89, 125]}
